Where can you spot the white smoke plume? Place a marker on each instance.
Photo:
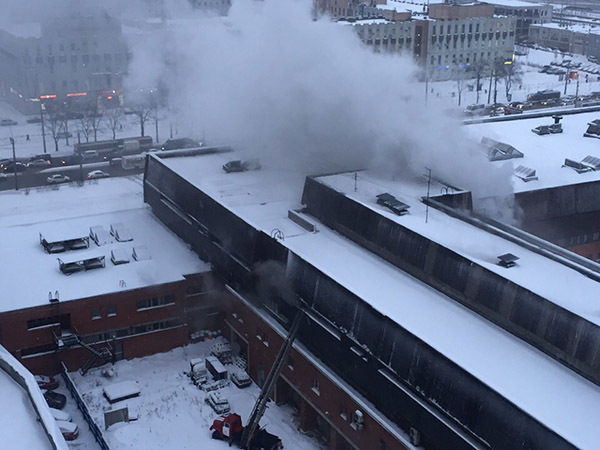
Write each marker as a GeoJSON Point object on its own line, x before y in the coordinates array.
{"type": "Point", "coordinates": [307, 94]}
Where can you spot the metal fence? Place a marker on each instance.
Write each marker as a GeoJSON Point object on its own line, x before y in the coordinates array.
{"type": "Point", "coordinates": [96, 431]}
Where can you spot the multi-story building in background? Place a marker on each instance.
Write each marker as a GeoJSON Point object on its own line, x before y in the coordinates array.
{"type": "Point", "coordinates": [444, 38]}
{"type": "Point", "coordinates": [577, 38]}
{"type": "Point", "coordinates": [72, 56]}
{"type": "Point", "coordinates": [525, 13]}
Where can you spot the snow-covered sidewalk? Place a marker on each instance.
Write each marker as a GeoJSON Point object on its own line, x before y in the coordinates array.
{"type": "Point", "coordinates": [171, 412]}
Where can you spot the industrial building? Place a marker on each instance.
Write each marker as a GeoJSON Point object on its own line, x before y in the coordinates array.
{"type": "Point", "coordinates": [437, 333]}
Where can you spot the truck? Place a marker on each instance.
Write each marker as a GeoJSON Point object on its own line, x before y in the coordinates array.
{"type": "Point", "coordinates": [198, 372]}
{"type": "Point", "coordinates": [216, 369]}
{"type": "Point", "coordinates": [131, 162]}
{"type": "Point", "coordinates": [230, 428]}
{"type": "Point", "coordinates": [543, 96]}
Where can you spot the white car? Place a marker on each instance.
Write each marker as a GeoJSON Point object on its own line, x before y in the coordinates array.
{"type": "Point", "coordinates": [61, 415]}
{"type": "Point", "coordinates": [97, 174]}
{"type": "Point", "coordinates": [39, 163]}
{"type": "Point", "coordinates": [58, 178]}
{"type": "Point", "coordinates": [218, 403]}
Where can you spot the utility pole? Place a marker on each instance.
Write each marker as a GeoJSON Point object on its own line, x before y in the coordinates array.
{"type": "Point", "coordinates": [428, 187]}
{"type": "Point", "coordinates": [492, 71]}
{"type": "Point", "coordinates": [43, 131]}
{"type": "Point", "coordinates": [426, 83]}
{"type": "Point", "coordinates": [12, 142]}
{"type": "Point", "coordinates": [156, 122]}
{"type": "Point", "coordinates": [567, 77]}
{"type": "Point", "coordinates": [67, 131]}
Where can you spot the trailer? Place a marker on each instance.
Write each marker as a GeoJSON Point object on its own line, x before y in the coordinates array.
{"type": "Point", "coordinates": [216, 369]}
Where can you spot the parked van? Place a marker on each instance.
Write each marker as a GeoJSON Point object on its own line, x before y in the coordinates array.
{"type": "Point", "coordinates": [472, 110]}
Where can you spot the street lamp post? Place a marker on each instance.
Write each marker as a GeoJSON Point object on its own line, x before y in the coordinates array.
{"type": "Point", "coordinates": [12, 142]}
{"type": "Point", "coordinates": [43, 130]}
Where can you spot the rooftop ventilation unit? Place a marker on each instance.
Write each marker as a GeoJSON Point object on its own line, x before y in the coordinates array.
{"type": "Point", "coordinates": [593, 129]}
{"type": "Point", "coordinates": [141, 253]}
{"type": "Point", "coordinates": [392, 203]}
{"type": "Point", "coordinates": [499, 151]}
{"type": "Point", "coordinates": [69, 268]}
{"type": "Point", "coordinates": [577, 166]}
{"type": "Point", "coordinates": [64, 245]}
{"type": "Point", "coordinates": [591, 161]}
{"type": "Point", "coordinates": [100, 235]}
{"type": "Point", "coordinates": [120, 232]}
{"type": "Point", "coordinates": [507, 260]}
{"type": "Point", "coordinates": [119, 256]}
{"type": "Point", "coordinates": [239, 166]}
{"type": "Point", "coordinates": [525, 173]}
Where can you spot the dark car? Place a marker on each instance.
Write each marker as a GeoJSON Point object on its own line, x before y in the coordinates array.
{"type": "Point", "coordinates": [11, 166]}
{"type": "Point", "coordinates": [34, 120]}
{"type": "Point", "coordinates": [45, 156]}
{"type": "Point", "coordinates": [55, 400]}
{"type": "Point", "coordinates": [176, 144]}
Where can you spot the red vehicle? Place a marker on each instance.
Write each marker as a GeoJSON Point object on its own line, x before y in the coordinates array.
{"type": "Point", "coordinates": [47, 383]}
{"type": "Point", "coordinates": [230, 428]}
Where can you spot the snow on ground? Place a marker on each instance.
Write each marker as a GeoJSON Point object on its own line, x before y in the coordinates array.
{"type": "Point", "coordinates": [171, 412]}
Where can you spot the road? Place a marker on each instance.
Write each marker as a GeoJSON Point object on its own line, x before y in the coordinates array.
{"type": "Point", "coordinates": [37, 177]}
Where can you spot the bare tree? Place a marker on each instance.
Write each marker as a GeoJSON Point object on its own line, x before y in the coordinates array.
{"type": "Point", "coordinates": [114, 120]}
{"type": "Point", "coordinates": [478, 69]}
{"type": "Point", "coordinates": [55, 125]}
{"type": "Point", "coordinates": [510, 73]}
{"type": "Point", "coordinates": [84, 127]}
{"type": "Point", "coordinates": [95, 119]}
{"type": "Point", "coordinates": [143, 113]}
{"type": "Point", "coordinates": [460, 77]}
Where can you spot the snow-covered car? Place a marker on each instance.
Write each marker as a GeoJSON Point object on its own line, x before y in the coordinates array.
{"type": "Point", "coordinates": [69, 430]}
{"type": "Point", "coordinates": [218, 403]}
{"type": "Point", "coordinates": [47, 383]}
{"type": "Point", "coordinates": [39, 163]}
{"type": "Point", "coordinates": [7, 122]}
{"type": "Point", "coordinates": [61, 415]}
{"type": "Point", "coordinates": [240, 378]}
{"type": "Point", "coordinates": [58, 178]}
{"type": "Point", "coordinates": [97, 174]}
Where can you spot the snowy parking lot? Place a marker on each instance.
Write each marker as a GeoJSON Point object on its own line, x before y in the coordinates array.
{"type": "Point", "coordinates": [170, 412]}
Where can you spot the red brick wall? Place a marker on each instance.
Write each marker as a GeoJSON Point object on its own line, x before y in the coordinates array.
{"type": "Point", "coordinates": [331, 398]}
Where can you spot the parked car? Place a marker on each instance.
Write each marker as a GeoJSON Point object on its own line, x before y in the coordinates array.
{"type": "Point", "coordinates": [11, 166]}
{"type": "Point", "coordinates": [473, 110]}
{"type": "Point", "coordinates": [60, 415]}
{"type": "Point", "coordinates": [47, 383]}
{"type": "Point", "coordinates": [115, 162]}
{"type": "Point", "coordinates": [34, 120]}
{"type": "Point", "coordinates": [175, 144]}
{"type": "Point", "coordinates": [508, 110]}
{"type": "Point", "coordinates": [69, 430]}
{"type": "Point", "coordinates": [39, 163]}
{"type": "Point", "coordinates": [64, 134]}
{"type": "Point", "coordinates": [89, 154]}
{"type": "Point", "coordinates": [241, 378]}
{"type": "Point", "coordinates": [97, 174]}
{"type": "Point", "coordinates": [44, 156]}
{"type": "Point", "coordinates": [55, 400]}
{"type": "Point", "coordinates": [58, 178]}
{"type": "Point", "coordinates": [7, 122]}
{"type": "Point", "coordinates": [218, 403]}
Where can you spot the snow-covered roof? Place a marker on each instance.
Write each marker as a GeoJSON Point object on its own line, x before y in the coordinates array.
{"type": "Point", "coordinates": [557, 397]}
{"type": "Point", "coordinates": [411, 5]}
{"type": "Point", "coordinates": [575, 28]}
{"type": "Point", "coordinates": [29, 273]}
{"type": "Point", "coordinates": [545, 154]}
{"type": "Point", "coordinates": [515, 3]}
{"type": "Point", "coordinates": [25, 419]}
{"type": "Point", "coordinates": [364, 22]}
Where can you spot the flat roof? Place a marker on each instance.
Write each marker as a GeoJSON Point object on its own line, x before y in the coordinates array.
{"type": "Point", "coordinates": [576, 28]}
{"type": "Point", "coordinates": [545, 154]}
{"type": "Point", "coordinates": [29, 273]}
{"type": "Point", "coordinates": [556, 396]}
{"type": "Point", "coordinates": [516, 3]}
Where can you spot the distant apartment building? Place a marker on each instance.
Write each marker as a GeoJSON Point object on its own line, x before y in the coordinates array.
{"type": "Point", "coordinates": [525, 13]}
{"type": "Point", "coordinates": [579, 39]}
{"type": "Point", "coordinates": [445, 39]}
{"type": "Point", "coordinates": [220, 7]}
{"type": "Point", "coordinates": [76, 55]}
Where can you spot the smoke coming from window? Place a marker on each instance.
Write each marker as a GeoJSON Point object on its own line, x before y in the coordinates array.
{"type": "Point", "coordinates": [305, 94]}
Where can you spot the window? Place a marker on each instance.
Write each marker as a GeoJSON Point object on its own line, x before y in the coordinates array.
{"type": "Point", "coordinates": [315, 387]}
{"type": "Point", "coordinates": [111, 311]}
{"type": "Point", "coordinates": [156, 302]}
{"type": "Point", "coordinates": [43, 322]}
{"type": "Point", "coordinates": [266, 340]}
{"type": "Point", "coordinates": [96, 313]}
{"type": "Point", "coordinates": [259, 334]}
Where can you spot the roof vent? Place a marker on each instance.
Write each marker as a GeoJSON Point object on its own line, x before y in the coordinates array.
{"type": "Point", "coordinates": [525, 173]}
{"type": "Point", "coordinates": [64, 245]}
{"type": "Point", "coordinates": [593, 129]}
{"type": "Point", "coordinates": [53, 298]}
{"type": "Point", "coordinates": [119, 256]}
{"type": "Point", "coordinates": [507, 260]}
{"type": "Point", "coordinates": [141, 253]}
{"type": "Point", "coordinates": [591, 161]}
{"type": "Point", "coordinates": [100, 235]}
{"type": "Point", "coordinates": [577, 166]}
{"type": "Point", "coordinates": [498, 151]}
{"type": "Point", "coordinates": [69, 268]}
{"type": "Point", "coordinates": [392, 203]}
{"type": "Point", "coordinates": [239, 166]}
{"type": "Point", "coordinates": [120, 232]}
